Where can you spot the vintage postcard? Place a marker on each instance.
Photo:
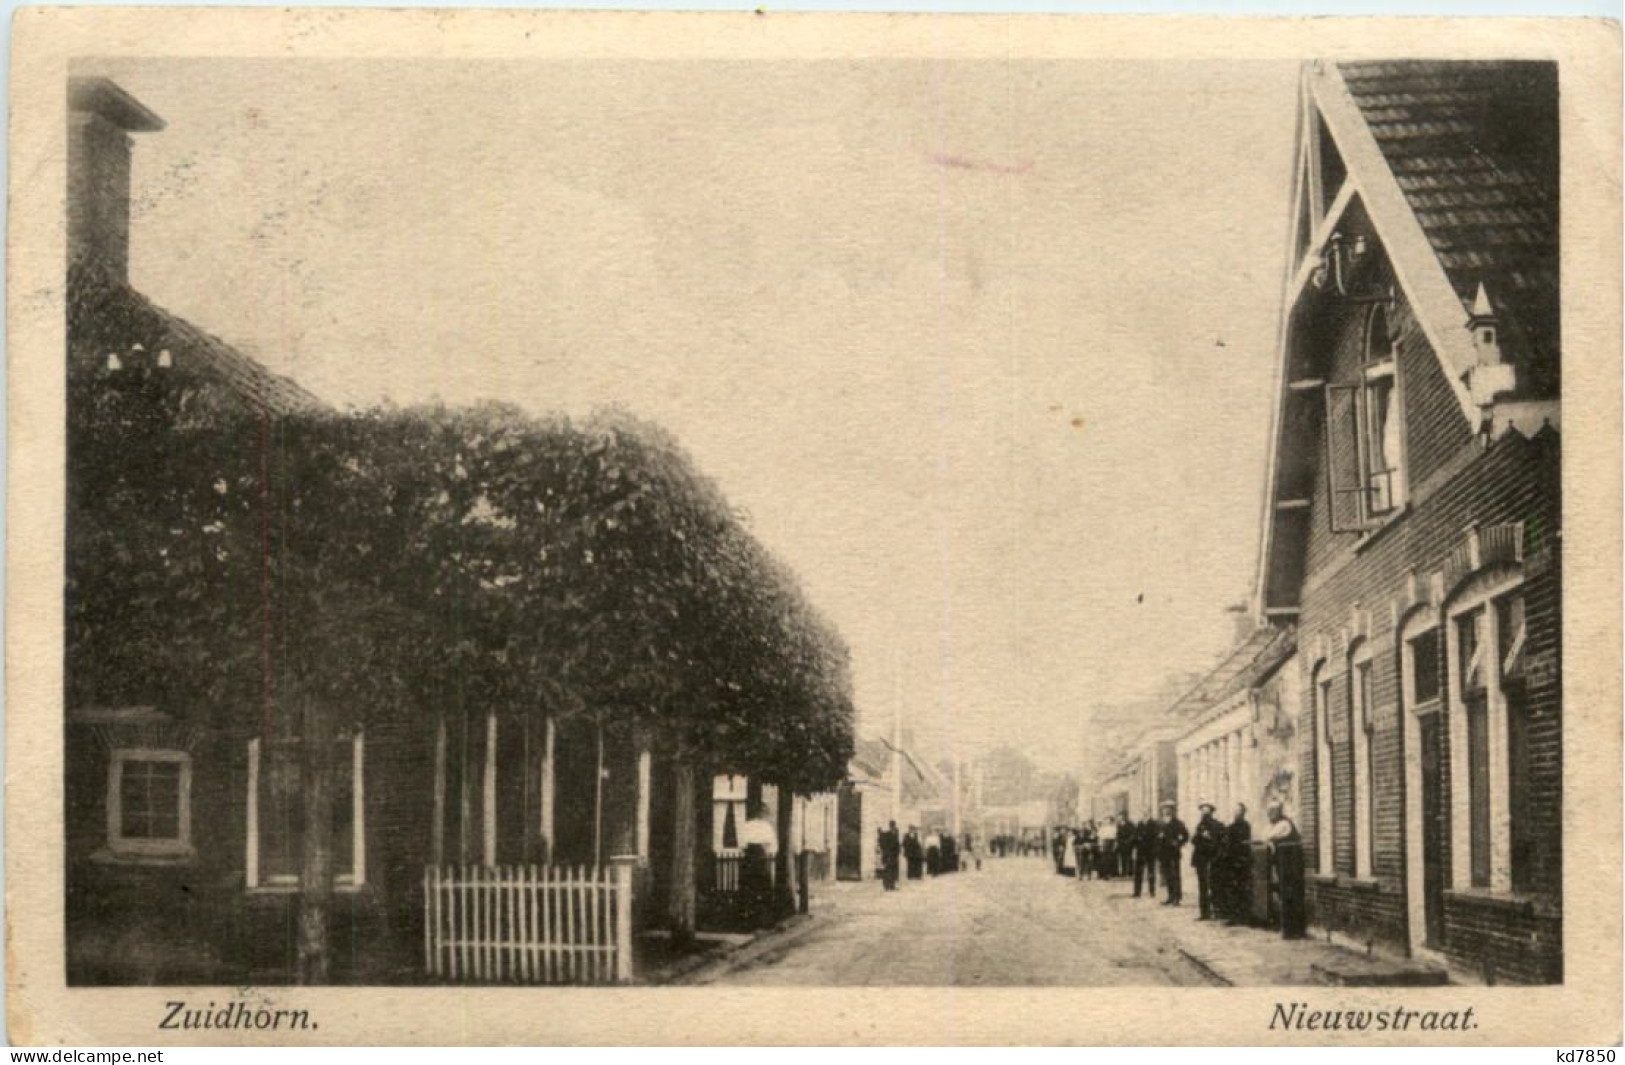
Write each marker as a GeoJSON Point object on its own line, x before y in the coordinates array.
{"type": "Point", "coordinates": [761, 528]}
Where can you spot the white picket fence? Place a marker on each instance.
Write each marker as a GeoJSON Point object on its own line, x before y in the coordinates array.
{"type": "Point", "coordinates": [728, 863]}
{"type": "Point", "coordinates": [730, 867]}
{"type": "Point", "coordinates": [528, 924]}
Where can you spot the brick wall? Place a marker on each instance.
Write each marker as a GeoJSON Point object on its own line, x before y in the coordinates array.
{"type": "Point", "coordinates": [1454, 482]}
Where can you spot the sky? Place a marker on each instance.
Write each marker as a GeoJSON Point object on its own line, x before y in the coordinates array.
{"type": "Point", "coordinates": [984, 348]}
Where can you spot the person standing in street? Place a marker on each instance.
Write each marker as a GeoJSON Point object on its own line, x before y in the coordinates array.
{"type": "Point", "coordinates": [890, 850]}
{"type": "Point", "coordinates": [1105, 852]}
{"type": "Point", "coordinates": [1286, 856]}
{"type": "Point", "coordinates": [914, 853]}
{"type": "Point", "coordinates": [1206, 848]}
{"type": "Point", "coordinates": [1172, 835]}
{"type": "Point", "coordinates": [1147, 839]}
{"type": "Point", "coordinates": [1236, 878]}
{"type": "Point", "coordinates": [1125, 846]}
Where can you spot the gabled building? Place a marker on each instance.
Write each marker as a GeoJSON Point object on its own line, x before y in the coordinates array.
{"type": "Point", "coordinates": [1224, 740]}
{"type": "Point", "coordinates": [1412, 527]}
{"type": "Point", "coordinates": [1239, 725]}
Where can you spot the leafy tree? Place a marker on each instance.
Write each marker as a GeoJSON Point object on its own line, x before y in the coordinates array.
{"type": "Point", "coordinates": [332, 568]}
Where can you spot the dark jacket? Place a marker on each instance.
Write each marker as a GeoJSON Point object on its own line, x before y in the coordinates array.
{"type": "Point", "coordinates": [1147, 838]}
{"type": "Point", "coordinates": [1209, 841]}
{"type": "Point", "coordinates": [889, 845]}
{"type": "Point", "coordinates": [1172, 835]}
{"type": "Point", "coordinates": [1238, 838]}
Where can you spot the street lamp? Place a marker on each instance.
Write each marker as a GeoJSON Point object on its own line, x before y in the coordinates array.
{"type": "Point", "coordinates": [1339, 262]}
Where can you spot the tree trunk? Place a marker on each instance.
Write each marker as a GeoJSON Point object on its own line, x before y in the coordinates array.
{"type": "Point", "coordinates": [784, 880]}
{"type": "Point", "coordinates": [316, 867]}
{"type": "Point", "coordinates": [549, 786]}
{"type": "Point", "coordinates": [682, 895]}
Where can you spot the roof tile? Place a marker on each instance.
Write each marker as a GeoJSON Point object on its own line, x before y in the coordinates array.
{"type": "Point", "coordinates": [1473, 146]}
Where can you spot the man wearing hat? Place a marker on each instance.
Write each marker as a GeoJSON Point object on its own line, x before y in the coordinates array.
{"type": "Point", "coordinates": [1206, 847]}
{"type": "Point", "coordinates": [1171, 837]}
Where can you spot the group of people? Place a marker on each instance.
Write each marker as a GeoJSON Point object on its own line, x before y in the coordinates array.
{"type": "Point", "coordinates": [1221, 856]}
{"type": "Point", "coordinates": [932, 855]}
{"type": "Point", "coordinates": [1098, 849]}
{"type": "Point", "coordinates": [1004, 845]}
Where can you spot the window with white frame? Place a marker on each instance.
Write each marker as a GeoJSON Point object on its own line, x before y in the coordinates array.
{"type": "Point", "coordinates": [1321, 692]}
{"type": "Point", "coordinates": [149, 803]}
{"type": "Point", "coordinates": [1360, 756]}
{"type": "Point", "coordinates": [1365, 435]}
{"type": "Point", "coordinates": [276, 813]}
{"type": "Point", "coordinates": [1492, 847]}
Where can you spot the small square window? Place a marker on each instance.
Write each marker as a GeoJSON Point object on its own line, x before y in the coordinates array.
{"type": "Point", "coordinates": [149, 803]}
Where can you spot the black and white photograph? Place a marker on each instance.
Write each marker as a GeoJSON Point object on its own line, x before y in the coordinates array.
{"type": "Point", "coordinates": [821, 521]}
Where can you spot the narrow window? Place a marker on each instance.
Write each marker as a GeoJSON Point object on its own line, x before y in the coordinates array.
{"type": "Point", "coordinates": [276, 813]}
{"type": "Point", "coordinates": [1523, 840]}
{"type": "Point", "coordinates": [1321, 693]}
{"type": "Point", "coordinates": [1425, 667]}
{"type": "Point", "coordinates": [1380, 459]}
{"type": "Point", "coordinates": [1365, 813]}
{"type": "Point", "coordinates": [1475, 703]}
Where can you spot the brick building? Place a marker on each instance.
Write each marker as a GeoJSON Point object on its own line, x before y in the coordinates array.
{"type": "Point", "coordinates": [1412, 524]}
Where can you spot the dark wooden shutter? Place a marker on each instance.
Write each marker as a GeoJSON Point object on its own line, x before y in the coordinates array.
{"type": "Point", "coordinates": [1478, 775]}
{"type": "Point", "coordinates": [1346, 486]}
{"type": "Point", "coordinates": [1525, 842]}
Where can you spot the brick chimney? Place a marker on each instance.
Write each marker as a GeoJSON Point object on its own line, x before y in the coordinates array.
{"type": "Point", "coordinates": [101, 117]}
{"type": "Point", "coordinates": [1241, 620]}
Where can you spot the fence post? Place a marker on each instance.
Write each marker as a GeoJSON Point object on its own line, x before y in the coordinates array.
{"type": "Point", "coordinates": [623, 919]}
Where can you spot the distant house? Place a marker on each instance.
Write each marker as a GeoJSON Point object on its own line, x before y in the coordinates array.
{"type": "Point", "coordinates": [1239, 724]}
{"type": "Point", "coordinates": [884, 783]}
{"type": "Point", "coordinates": [743, 811]}
{"type": "Point", "coordinates": [1129, 763]}
{"type": "Point", "coordinates": [1413, 520]}
{"type": "Point", "coordinates": [1143, 779]}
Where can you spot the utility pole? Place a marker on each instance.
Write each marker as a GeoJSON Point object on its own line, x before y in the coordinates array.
{"type": "Point", "coordinates": [896, 736]}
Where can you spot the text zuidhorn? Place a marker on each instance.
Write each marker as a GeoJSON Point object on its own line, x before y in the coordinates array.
{"type": "Point", "coordinates": [241, 1016]}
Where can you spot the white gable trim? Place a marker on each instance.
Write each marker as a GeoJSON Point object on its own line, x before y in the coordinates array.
{"type": "Point", "coordinates": [1415, 263]}
{"type": "Point", "coordinates": [1266, 521]}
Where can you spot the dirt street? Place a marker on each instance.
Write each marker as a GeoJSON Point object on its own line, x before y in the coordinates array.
{"type": "Point", "coordinates": [1013, 923]}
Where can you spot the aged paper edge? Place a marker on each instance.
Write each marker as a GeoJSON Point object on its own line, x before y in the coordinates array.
{"type": "Point", "coordinates": [1585, 1010]}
